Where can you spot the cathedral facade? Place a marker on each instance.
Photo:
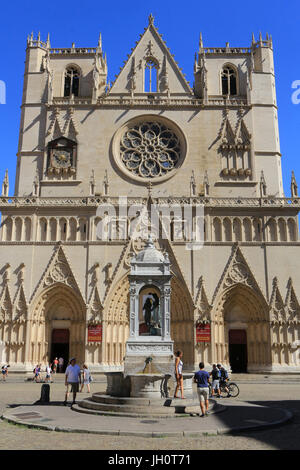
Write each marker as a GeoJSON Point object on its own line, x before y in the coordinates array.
{"type": "Point", "coordinates": [96, 161]}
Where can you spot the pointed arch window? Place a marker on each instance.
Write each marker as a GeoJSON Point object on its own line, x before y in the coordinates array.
{"type": "Point", "coordinates": [229, 81]}
{"type": "Point", "coordinates": [72, 76]}
{"type": "Point", "coordinates": [151, 76]}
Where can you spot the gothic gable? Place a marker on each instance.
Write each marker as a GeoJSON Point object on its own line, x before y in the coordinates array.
{"type": "Point", "coordinates": [237, 272]}
{"type": "Point", "coordinates": [58, 271]}
{"type": "Point", "coordinates": [152, 53]}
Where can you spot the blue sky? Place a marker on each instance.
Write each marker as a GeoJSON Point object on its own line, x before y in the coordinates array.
{"type": "Point", "coordinates": [121, 23]}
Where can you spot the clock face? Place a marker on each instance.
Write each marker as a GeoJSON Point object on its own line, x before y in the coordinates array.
{"type": "Point", "coordinates": [61, 158]}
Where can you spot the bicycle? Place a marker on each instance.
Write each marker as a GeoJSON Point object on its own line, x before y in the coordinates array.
{"type": "Point", "coordinates": [231, 386]}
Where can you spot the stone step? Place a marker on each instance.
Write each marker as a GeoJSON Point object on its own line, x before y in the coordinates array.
{"type": "Point", "coordinates": [118, 408]}
{"type": "Point", "coordinates": [104, 398]}
{"type": "Point", "coordinates": [90, 407]}
{"type": "Point", "coordinates": [128, 406]}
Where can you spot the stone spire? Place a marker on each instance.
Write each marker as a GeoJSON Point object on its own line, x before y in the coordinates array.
{"type": "Point", "coordinates": [164, 77]}
{"type": "Point", "coordinates": [92, 184]}
{"type": "Point", "coordinates": [206, 184]}
{"type": "Point", "coordinates": [99, 71]}
{"type": "Point", "coordinates": [151, 19]}
{"type": "Point", "coordinates": [294, 186]}
{"type": "Point", "coordinates": [263, 185]}
{"type": "Point", "coordinates": [193, 185]}
{"type": "Point", "coordinates": [5, 185]}
{"type": "Point", "coordinates": [200, 43]}
{"type": "Point", "coordinates": [36, 184]}
{"type": "Point", "coordinates": [105, 184]}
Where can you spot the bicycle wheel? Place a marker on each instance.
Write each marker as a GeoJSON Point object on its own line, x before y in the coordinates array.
{"type": "Point", "coordinates": [223, 391]}
{"type": "Point", "coordinates": [233, 389]}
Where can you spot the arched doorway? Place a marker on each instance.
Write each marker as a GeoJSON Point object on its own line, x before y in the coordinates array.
{"type": "Point", "coordinates": [58, 325]}
{"type": "Point", "coordinates": [238, 357]}
{"type": "Point", "coordinates": [241, 332]}
{"type": "Point", "coordinates": [60, 346]}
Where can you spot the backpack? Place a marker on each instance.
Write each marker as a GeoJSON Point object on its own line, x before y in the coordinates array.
{"type": "Point", "coordinates": [216, 374]}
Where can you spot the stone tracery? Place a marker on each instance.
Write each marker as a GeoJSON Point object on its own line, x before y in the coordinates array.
{"type": "Point", "coordinates": [150, 149]}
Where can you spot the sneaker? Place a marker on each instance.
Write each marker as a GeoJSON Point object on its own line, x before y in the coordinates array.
{"type": "Point", "coordinates": [229, 395]}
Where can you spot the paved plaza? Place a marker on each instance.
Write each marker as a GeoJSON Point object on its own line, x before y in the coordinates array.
{"type": "Point", "coordinates": [266, 415]}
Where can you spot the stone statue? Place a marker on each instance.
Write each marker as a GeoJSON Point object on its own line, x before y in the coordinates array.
{"type": "Point", "coordinates": [155, 309]}
{"type": "Point", "coordinates": [148, 309]}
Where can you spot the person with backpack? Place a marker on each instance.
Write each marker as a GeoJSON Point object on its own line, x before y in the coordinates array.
{"type": "Point", "coordinates": [224, 378]}
{"type": "Point", "coordinates": [215, 375]}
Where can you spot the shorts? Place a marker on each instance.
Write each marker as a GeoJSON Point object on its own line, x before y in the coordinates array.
{"type": "Point", "coordinates": [215, 384]}
{"type": "Point", "coordinates": [203, 393]}
{"type": "Point", "coordinates": [74, 386]}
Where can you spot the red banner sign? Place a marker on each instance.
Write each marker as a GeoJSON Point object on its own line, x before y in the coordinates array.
{"type": "Point", "coordinates": [95, 334]}
{"type": "Point", "coordinates": [203, 333]}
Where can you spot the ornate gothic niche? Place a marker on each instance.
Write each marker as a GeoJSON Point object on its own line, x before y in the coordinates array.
{"type": "Point", "coordinates": [151, 67]}
{"type": "Point", "coordinates": [292, 303]}
{"type": "Point", "coordinates": [235, 150]}
{"type": "Point", "coordinates": [20, 306]}
{"type": "Point", "coordinates": [6, 307]}
{"type": "Point", "coordinates": [62, 158]}
{"type": "Point", "coordinates": [277, 307]}
{"type": "Point", "coordinates": [203, 307]}
{"type": "Point", "coordinates": [95, 308]}
{"type": "Point", "coordinates": [149, 148]}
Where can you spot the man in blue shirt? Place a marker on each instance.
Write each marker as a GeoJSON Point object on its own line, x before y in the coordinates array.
{"type": "Point", "coordinates": [201, 378]}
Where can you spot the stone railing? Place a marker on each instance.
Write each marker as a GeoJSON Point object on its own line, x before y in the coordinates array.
{"type": "Point", "coordinates": [156, 101]}
{"type": "Point", "coordinates": [94, 201]}
{"type": "Point", "coordinates": [227, 50]}
{"type": "Point", "coordinates": [73, 50]}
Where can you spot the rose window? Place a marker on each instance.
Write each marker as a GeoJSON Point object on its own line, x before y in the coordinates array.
{"type": "Point", "coordinates": [150, 149]}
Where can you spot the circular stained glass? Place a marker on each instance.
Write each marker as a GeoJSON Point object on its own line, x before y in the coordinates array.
{"type": "Point", "coordinates": [150, 149]}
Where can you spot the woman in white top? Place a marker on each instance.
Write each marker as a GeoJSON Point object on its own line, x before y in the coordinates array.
{"type": "Point", "coordinates": [178, 374]}
{"type": "Point", "coordinates": [86, 378]}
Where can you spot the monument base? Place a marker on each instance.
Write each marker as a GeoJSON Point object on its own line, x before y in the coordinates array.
{"type": "Point", "coordinates": [152, 386]}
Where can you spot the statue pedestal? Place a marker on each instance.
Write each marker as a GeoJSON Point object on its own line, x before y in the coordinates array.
{"type": "Point", "coordinates": [147, 385]}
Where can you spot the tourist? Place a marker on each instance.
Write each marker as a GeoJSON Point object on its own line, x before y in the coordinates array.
{"type": "Point", "coordinates": [215, 374]}
{"type": "Point", "coordinates": [202, 380]}
{"type": "Point", "coordinates": [86, 378]}
{"type": "Point", "coordinates": [4, 372]}
{"type": "Point", "coordinates": [37, 373]}
{"type": "Point", "coordinates": [224, 378]}
{"type": "Point", "coordinates": [48, 373]}
{"type": "Point", "coordinates": [54, 365]}
{"type": "Point", "coordinates": [60, 364]}
{"type": "Point", "coordinates": [178, 374]}
{"type": "Point", "coordinates": [72, 379]}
